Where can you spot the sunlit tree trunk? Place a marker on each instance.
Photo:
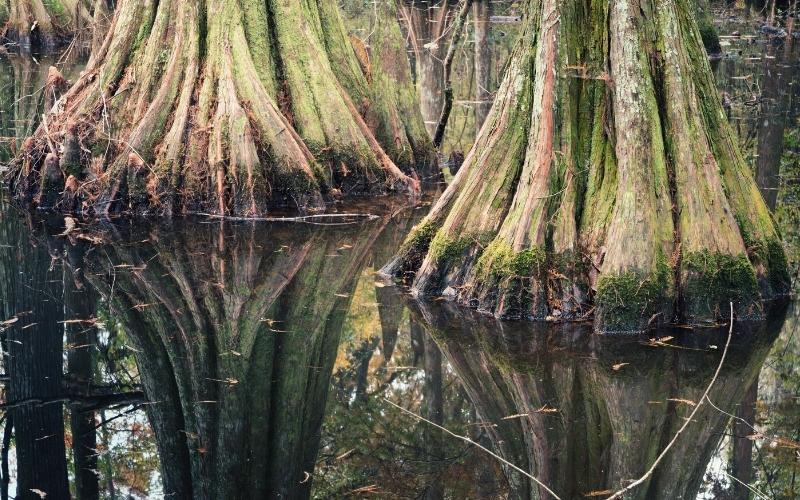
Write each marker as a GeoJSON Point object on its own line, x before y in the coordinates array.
{"type": "Point", "coordinates": [225, 107]}
{"type": "Point", "coordinates": [606, 180]}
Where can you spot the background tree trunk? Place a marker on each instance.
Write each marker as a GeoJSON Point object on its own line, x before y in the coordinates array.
{"type": "Point", "coordinates": [481, 12]}
{"type": "Point", "coordinates": [427, 23]}
{"type": "Point", "coordinates": [572, 224]}
{"type": "Point", "coordinates": [43, 24]}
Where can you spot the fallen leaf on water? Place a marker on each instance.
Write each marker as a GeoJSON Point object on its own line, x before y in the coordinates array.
{"type": "Point", "coordinates": [9, 322]}
{"type": "Point", "coordinates": [617, 367]}
{"type": "Point", "coordinates": [518, 415]}
{"type": "Point", "coordinates": [598, 493]}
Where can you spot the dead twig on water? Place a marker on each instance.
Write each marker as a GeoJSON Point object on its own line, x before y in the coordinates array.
{"type": "Point", "coordinates": [690, 419]}
{"type": "Point", "coordinates": [470, 441]}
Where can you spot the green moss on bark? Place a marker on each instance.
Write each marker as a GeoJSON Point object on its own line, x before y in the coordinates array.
{"type": "Point", "coordinates": [713, 280]}
{"type": "Point", "coordinates": [499, 261]}
{"type": "Point", "coordinates": [628, 300]}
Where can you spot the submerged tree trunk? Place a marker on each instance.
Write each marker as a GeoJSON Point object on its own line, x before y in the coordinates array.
{"type": "Point", "coordinates": [225, 107]}
{"type": "Point", "coordinates": [605, 180]}
{"type": "Point", "coordinates": [43, 24]}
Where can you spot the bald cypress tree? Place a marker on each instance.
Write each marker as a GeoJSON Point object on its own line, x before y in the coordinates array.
{"type": "Point", "coordinates": [606, 180]}
{"type": "Point", "coordinates": [225, 106]}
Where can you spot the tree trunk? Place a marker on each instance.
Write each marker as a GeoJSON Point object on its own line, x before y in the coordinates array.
{"type": "Point", "coordinates": [43, 24]}
{"type": "Point", "coordinates": [573, 222]}
{"type": "Point", "coordinates": [30, 291]}
{"type": "Point", "coordinates": [481, 12]}
{"type": "Point", "coordinates": [226, 107]}
{"type": "Point", "coordinates": [427, 23]}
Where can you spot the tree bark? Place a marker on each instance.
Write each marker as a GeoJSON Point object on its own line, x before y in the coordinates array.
{"type": "Point", "coordinates": [572, 223]}
{"type": "Point", "coordinates": [227, 107]}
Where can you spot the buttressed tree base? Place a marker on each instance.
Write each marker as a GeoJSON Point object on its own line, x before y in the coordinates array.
{"type": "Point", "coordinates": [606, 182]}
{"type": "Point", "coordinates": [227, 107]}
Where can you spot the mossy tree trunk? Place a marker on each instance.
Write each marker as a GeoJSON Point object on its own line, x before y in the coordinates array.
{"type": "Point", "coordinates": [605, 180]}
{"type": "Point", "coordinates": [43, 24]}
{"type": "Point", "coordinates": [226, 107]}
{"type": "Point", "coordinates": [236, 332]}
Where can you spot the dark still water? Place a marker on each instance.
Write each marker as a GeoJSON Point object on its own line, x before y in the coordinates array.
{"type": "Point", "coordinates": [223, 360]}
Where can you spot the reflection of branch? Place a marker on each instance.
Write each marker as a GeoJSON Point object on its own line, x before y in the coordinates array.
{"type": "Point", "coordinates": [757, 493]}
{"type": "Point", "coordinates": [83, 403]}
{"type": "Point", "coordinates": [470, 441]}
{"type": "Point", "coordinates": [689, 420]}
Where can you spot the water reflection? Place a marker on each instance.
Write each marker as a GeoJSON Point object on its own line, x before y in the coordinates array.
{"type": "Point", "coordinates": [225, 360]}
{"type": "Point", "coordinates": [586, 414]}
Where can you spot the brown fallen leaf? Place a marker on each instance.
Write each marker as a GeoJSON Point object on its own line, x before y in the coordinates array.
{"type": "Point", "coordinates": [598, 493]}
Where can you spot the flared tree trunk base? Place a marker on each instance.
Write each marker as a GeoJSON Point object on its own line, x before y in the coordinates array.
{"type": "Point", "coordinates": [226, 108]}
{"type": "Point", "coordinates": [606, 183]}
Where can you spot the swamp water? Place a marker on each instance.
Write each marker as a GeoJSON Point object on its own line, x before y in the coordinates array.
{"type": "Point", "coordinates": [219, 359]}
